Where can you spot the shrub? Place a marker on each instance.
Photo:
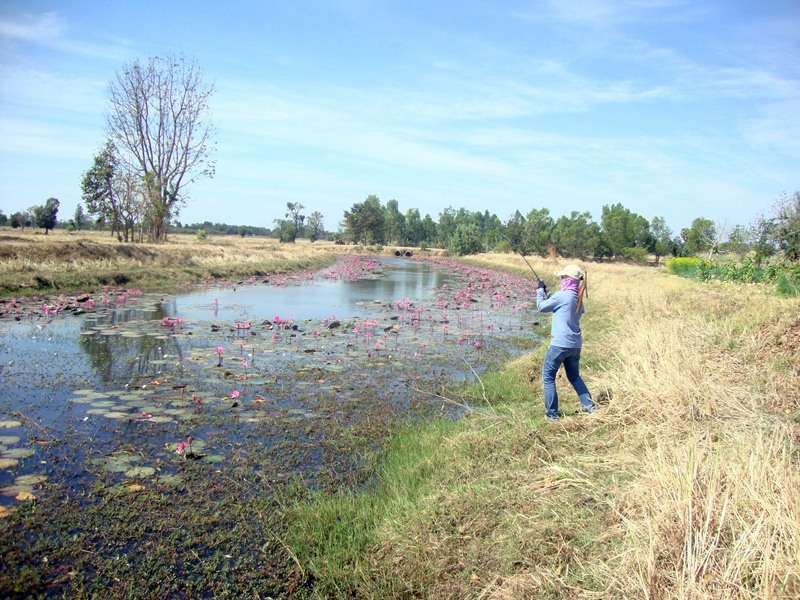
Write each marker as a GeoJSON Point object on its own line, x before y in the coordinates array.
{"type": "Point", "coordinates": [201, 235]}
{"type": "Point", "coordinates": [682, 266]}
{"type": "Point", "coordinates": [637, 256]}
{"type": "Point", "coordinates": [503, 246]}
{"type": "Point", "coordinates": [788, 281]}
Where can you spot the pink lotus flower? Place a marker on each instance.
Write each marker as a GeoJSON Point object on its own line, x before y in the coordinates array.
{"type": "Point", "coordinates": [218, 352]}
{"type": "Point", "coordinates": [235, 394]}
{"type": "Point", "coordinates": [181, 448]}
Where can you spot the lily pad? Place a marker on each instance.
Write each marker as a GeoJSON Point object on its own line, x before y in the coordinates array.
{"type": "Point", "coordinates": [117, 463]}
{"type": "Point", "coordinates": [103, 403]}
{"type": "Point", "coordinates": [6, 463]}
{"type": "Point", "coordinates": [86, 392]}
{"type": "Point", "coordinates": [18, 453]}
{"type": "Point", "coordinates": [30, 479]}
{"type": "Point", "coordinates": [213, 458]}
{"type": "Point", "coordinates": [170, 479]}
{"type": "Point", "coordinates": [80, 400]}
{"type": "Point", "coordinates": [13, 490]}
{"type": "Point", "coordinates": [8, 440]}
{"type": "Point", "coordinates": [116, 466]}
{"type": "Point", "coordinates": [140, 472]}
{"type": "Point", "coordinates": [10, 424]}
{"type": "Point", "coordinates": [159, 419]}
{"type": "Point", "coordinates": [117, 415]}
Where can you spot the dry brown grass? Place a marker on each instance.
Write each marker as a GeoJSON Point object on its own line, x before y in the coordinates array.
{"type": "Point", "coordinates": [31, 261]}
{"type": "Point", "coordinates": [685, 485]}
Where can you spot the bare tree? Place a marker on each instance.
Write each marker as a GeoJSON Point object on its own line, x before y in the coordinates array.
{"type": "Point", "coordinates": [159, 118]}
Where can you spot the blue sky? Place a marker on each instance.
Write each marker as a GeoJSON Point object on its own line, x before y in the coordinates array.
{"type": "Point", "coordinates": [672, 108]}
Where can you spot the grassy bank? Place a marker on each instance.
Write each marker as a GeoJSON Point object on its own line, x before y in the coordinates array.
{"type": "Point", "coordinates": [685, 484]}
{"type": "Point", "coordinates": [31, 262]}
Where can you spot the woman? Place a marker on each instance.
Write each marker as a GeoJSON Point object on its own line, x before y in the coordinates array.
{"type": "Point", "coordinates": [565, 337]}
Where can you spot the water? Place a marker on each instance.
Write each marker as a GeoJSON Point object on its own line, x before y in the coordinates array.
{"type": "Point", "coordinates": [355, 348]}
{"type": "Point", "coordinates": [314, 300]}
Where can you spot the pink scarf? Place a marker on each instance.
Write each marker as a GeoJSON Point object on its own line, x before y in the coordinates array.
{"type": "Point", "coordinates": [568, 283]}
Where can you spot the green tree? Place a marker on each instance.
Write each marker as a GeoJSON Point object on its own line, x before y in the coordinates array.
{"type": "Point", "coordinates": [466, 239]}
{"type": "Point", "coordinates": [661, 244]}
{"type": "Point", "coordinates": [576, 236]}
{"type": "Point", "coordinates": [493, 231]}
{"type": "Point", "coordinates": [538, 229]}
{"type": "Point", "coordinates": [3, 218]}
{"type": "Point", "coordinates": [515, 234]}
{"type": "Point", "coordinates": [623, 229]}
{"type": "Point", "coordinates": [446, 226]}
{"type": "Point", "coordinates": [787, 226]}
{"type": "Point", "coordinates": [45, 215]}
{"type": "Point", "coordinates": [762, 238]}
{"type": "Point", "coordinates": [700, 236]}
{"type": "Point", "coordinates": [296, 217]}
{"type": "Point", "coordinates": [79, 217]}
{"type": "Point", "coordinates": [427, 230]}
{"type": "Point", "coordinates": [17, 220]}
{"type": "Point", "coordinates": [394, 223]}
{"type": "Point", "coordinates": [97, 185]}
{"type": "Point", "coordinates": [738, 240]}
{"type": "Point", "coordinates": [364, 221]}
{"type": "Point", "coordinates": [415, 232]}
{"type": "Point", "coordinates": [315, 225]}
{"type": "Point", "coordinates": [158, 117]}
{"type": "Point", "coordinates": [286, 231]}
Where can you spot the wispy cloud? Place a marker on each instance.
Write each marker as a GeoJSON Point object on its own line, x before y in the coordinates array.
{"type": "Point", "coordinates": [51, 91]}
{"type": "Point", "coordinates": [50, 30]}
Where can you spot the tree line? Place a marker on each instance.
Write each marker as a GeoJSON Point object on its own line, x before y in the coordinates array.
{"type": "Point", "coordinates": [621, 233]}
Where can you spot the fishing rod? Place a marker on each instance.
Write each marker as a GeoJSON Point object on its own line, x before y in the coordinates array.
{"type": "Point", "coordinates": [515, 248]}
{"type": "Point", "coordinates": [529, 266]}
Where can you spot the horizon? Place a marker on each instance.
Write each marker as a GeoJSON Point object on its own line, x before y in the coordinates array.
{"type": "Point", "coordinates": [670, 108]}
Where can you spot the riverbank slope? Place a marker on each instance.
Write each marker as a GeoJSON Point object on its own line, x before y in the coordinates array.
{"type": "Point", "coordinates": [683, 485]}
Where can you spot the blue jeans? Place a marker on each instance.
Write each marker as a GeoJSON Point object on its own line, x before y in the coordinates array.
{"type": "Point", "coordinates": [570, 358]}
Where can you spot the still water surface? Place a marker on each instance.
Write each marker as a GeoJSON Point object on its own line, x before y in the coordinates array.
{"type": "Point", "coordinates": [358, 353]}
{"type": "Point", "coordinates": [316, 299]}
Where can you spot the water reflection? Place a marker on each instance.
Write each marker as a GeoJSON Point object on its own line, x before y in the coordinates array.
{"type": "Point", "coordinates": [316, 300]}
{"type": "Point", "coordinates": [131, 342]}
{"type": "Point", "coordinates": [135, 352]}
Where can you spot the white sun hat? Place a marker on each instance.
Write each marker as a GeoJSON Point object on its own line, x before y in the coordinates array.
{"type": "Point", "coordinates": [573, 271]}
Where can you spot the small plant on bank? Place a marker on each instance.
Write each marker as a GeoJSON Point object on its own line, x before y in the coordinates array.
{"type": "Point", "coordinates": [786, 276]}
